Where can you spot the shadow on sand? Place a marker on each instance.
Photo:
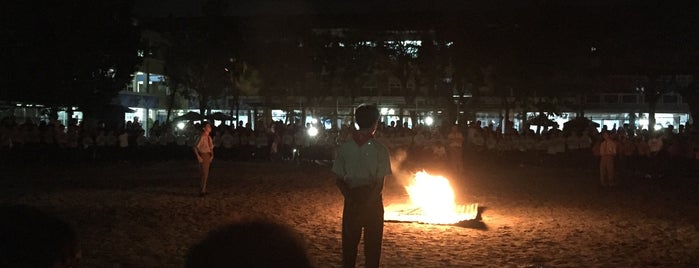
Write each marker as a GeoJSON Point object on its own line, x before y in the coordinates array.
{"type": "Point", "coordinates": [476, 223]}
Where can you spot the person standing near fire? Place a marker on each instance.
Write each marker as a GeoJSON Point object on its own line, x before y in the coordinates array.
{"type": "Point", "coordinates": [204, 150]}
{"type": "Point", "coordinates": [454, 150]}
{"type": "Point", "coordinates": [361, 165]}
{"type": "Point", "coordinates": [607, 154]}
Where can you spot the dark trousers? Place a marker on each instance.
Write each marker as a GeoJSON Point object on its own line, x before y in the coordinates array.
{"type": "Point", "coordinates": [363, 210]}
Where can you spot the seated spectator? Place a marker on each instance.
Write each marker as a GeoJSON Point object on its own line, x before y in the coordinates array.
{"type": "Point", "coordinates": [253, 243]}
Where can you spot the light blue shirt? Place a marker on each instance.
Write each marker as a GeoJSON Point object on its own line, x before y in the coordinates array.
{"type": "Point", "coordinates": [362, 165]}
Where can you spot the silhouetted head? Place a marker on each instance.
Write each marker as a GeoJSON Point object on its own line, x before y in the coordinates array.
{"type": "Point", "coordinates": [32, 238]}
{"type": "Point", "coordinates": [367, 116]}
{"type": "Point", "coordinates": [251, 243]}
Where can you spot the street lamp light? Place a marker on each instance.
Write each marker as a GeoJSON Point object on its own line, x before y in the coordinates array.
{"type": "Point", "coordinates": [429, 121]}
{"type": "Point", "coordinates": [312, 131]}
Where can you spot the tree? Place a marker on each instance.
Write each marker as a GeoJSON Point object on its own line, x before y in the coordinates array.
{"type": "Point", "coordinates": [653, 47]}
{"type": "Point", "coordinates": [355, 61]}
{"type": "Point", "coordinates": [197, 60]}
{"type": "Point", "coordinates": [690, 94]}
{"type": "Point", "coordinates": [200, 53]}
{"type": "Point", "coordinates": [244, 81]}
{"type": "Point", "coordinates": [340, 66]}
{"type": "Point", "coordinates": [434, 72]}
{"type": "Point", "coordinates": [398, 58]}
{"type": "Point", "coordinates": [69, 53]}
{"type": "Point", "coordinates": [467, 57]}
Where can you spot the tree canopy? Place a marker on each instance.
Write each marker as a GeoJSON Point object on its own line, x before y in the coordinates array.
{"type": "Point", "coordinates": [68, 53]}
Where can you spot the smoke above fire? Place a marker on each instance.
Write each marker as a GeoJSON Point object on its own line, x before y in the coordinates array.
{"type": "Point", "coordinates": [401, 174]}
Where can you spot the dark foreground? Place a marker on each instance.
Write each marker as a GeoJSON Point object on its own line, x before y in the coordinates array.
{"type": "Point", "coordinates": [148, 216]}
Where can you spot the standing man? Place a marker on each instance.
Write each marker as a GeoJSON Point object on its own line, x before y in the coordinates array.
{"type": "Point", "coordinates": [606, 166]}
{"type": "Point", "coordinates": [360, 166]}
{"type": "Point", "coordinates": [454, 150]}
{"type": "Point", "coordinates": [204, 150]}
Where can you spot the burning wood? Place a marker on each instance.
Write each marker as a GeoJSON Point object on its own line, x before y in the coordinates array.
{"type": "Point", "coordinates": [431, 201]}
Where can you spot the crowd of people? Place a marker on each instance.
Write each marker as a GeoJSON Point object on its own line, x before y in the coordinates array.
{"type": "Point", "coordinates": [640, 152]}
{"type": "Point", "coordinates": [52, 142]}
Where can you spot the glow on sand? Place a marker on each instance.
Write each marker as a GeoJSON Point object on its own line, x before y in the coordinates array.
{"type": "Point", "coordinates": [431, 201]}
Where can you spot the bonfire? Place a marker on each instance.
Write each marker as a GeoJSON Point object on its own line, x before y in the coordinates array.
{"type": "Point", "coordinates": [431, 201]}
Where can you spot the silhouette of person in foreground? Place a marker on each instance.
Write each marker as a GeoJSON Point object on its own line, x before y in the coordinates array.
{"type": "Point", "coordinates": [361, 165]}
{"type": "Point", "coordinates": [32, 238]}
{"type": "Point", "coordinates": [250, 243]}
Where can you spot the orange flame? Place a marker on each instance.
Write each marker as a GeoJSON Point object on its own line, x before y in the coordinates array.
{"type": "Point", "coordinates": [432, 201]}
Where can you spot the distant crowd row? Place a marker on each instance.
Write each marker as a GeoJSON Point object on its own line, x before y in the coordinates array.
{"type": "Point", "coordinates": [281, 141]}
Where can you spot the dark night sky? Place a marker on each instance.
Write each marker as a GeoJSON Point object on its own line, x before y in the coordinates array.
{"type": "Point", "coordinates": [186, 8]}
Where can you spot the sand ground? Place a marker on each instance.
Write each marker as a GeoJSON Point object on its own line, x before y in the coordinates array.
{"type": "Point", "coordinates": [149, 215]}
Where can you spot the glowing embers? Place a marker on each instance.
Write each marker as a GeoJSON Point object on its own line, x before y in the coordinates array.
{"type": "Point", "coordinates": [432, 201]}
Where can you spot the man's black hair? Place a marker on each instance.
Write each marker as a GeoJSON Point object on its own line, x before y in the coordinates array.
{"type": "Point", "coordinates": [33, 238]}
{"type": "Point", "coordinates": [366, 116]}
{"type": "Point", "coordinates": [250, 243]}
